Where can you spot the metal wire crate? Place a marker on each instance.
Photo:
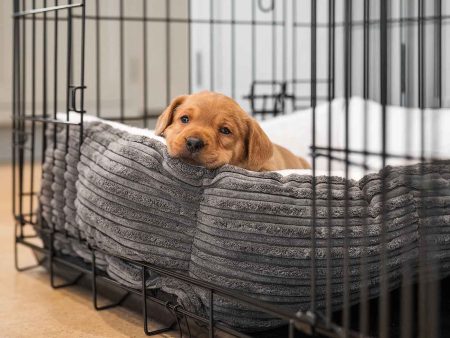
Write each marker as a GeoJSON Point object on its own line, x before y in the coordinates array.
{"type": "Point", "coordinates": [274, 57]}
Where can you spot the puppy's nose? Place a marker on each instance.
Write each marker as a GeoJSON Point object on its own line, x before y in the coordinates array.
{"type": "Point", "coordinates": [194, 144]}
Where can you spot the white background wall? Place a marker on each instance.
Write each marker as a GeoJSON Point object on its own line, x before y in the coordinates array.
{"type": "Point", "coordinates": [264, 45]}
{"type": "Point", "coordinates": [157, 38]}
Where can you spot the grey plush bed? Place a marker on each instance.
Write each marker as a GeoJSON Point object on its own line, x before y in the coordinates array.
{"type": "Point", "coordinates": [244, 230]}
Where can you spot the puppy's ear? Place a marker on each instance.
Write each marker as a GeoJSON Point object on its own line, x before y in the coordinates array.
{"type": "Point", "coordinates": [165, 119]}
{"type": "Point", "coordinates": [259, 147]}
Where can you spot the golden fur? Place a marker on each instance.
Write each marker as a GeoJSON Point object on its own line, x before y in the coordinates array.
{"type": "Point", "coordinates": [196, 129]}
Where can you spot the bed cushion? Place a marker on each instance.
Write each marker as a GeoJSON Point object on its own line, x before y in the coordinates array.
{"type": "Point", "coordinates": [247, 231]}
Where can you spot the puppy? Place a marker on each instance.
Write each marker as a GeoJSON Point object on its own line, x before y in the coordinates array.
{"type": "Point", "coordinates": [210, 129]}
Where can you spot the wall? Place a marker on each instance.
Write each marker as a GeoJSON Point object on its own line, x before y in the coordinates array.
{"type": "Point", "coordinates": [291, 62]}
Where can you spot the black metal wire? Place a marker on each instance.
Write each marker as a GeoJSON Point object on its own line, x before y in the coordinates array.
{"type": "Point", "coordinates": [384, 277]}
{"type": "Point", "coordinates": [97, 60]}
{"type": "Point", "coordinates": [122, 61]}
{"type": "Point", "coordinates": [33, 102]}
{"type": "Point", "coordinates": [44, 83]}
{"type": "Point", "coordinates": [233, 49]}
{"type": "Point", "coordinates": [82, 87]}
{"type": "Point", "coordinates": [278, 86]}
{"type": "Point", "coordinates": [145, 62]}
{"type": "Point", "coordinates": [313, 142]}
{"type": "Point", "coordinates": [423, 252]}
{"type": "Point", "coordinates": [211, 46]}
{"type": "Point", "coordinates": [331, 75]}
{"type": "Point", "coordinates": [294, 52]}
{"type": "Point", "coordinates": [364, 292]}
{"type": "Point", "coordinates": [347, 94]}
{"type": "Point", "coordinates": [15, 102]}
{"type": "Point", "coordinates": [438, 9]}
{"type": "Point", "coordinates": [168, 49]}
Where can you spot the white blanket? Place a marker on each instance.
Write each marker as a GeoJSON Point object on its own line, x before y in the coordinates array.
{"type": "Point", "coordinates": [403, 134]}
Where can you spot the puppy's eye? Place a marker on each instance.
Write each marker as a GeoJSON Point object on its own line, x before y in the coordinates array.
{"type": "Point", "coordinates": [184, 119]}
{"type": "Point", "coordinates": [225, 130]}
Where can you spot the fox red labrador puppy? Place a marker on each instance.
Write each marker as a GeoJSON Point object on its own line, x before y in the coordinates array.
{"type": "Point", "coordinates": [210, 129]}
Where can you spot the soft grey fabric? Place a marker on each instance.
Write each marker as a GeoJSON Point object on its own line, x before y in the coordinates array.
{"type": "Point", "coordinates": [247, 231]}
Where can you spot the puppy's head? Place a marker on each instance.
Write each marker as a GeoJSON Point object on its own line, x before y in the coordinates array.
{"type": "Point", "coordinates": [210, 130]}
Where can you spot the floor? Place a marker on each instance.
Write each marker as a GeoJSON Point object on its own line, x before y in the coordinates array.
{"type": "Point", "coordinates": [29, 307]}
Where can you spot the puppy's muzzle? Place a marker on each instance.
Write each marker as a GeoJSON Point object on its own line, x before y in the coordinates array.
{"type": "Point", "coordinates": [194, 144]}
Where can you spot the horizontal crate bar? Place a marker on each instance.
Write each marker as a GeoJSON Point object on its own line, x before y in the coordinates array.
{"type": "Point", "coordinates": [370, 153]}
{"type": "Point", "coordinates": [45, 10]}
{"type": "Point", "coordinates": [340, 159]}
{"type": "Point", "coordinates": [308, 81]}
{"type": "Point", "coordinates": [169, 20]}
{"type": "Point", "coordinates": [404, 20]}
{"type": "Point", "coordinates": [29, 193]}
{"type": "Point", "coordinates": [132, 118]}
{"type": "Point", "coordinates": [41, 118]}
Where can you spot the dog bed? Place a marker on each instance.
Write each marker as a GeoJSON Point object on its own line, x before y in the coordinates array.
{"type": "Point", "coordinates": [247, 231]}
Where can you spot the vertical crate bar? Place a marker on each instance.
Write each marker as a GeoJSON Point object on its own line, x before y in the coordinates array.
{"type": "Point", "coordinates": [313, 141]}
{"type": "Point", "coordinates": [347, 93]}
{"type": "Point", "coordinates": [384, 274]}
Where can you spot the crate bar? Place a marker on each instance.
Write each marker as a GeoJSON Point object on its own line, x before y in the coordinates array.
{"type": "Point", "coordinates": [55, 130]}
{"type": "Point", "coordinates": [15, 98]}
{"type": "Point", "coordinates": [408, 324]}
{"type": "Point", "coordinates": [97, 58]}
{"type": "Point", "coordinates": [253, 51]}
{"type": "Point", "coordinates": [294, 52]}
{"type": "Point", "coordinates": [438, 8]}
{"type": "Point", "coordinates": [433, 280]}
{"type": "Point", "coordinates": [423, 316]}
{"type": "Point", "coordinates": [308, 81]}
{"type": "Point", "coordinates": [369, 153]}
{"type": "Point", "coordinates": [211, 45]}
{"type": "Point", "coordinates": [355, 23]}
{"type": "Point", "coordinates": [313, 141]}
{"type": "Point", "coordinates": [233, 49]}
{"type": "Point", "coordinates": [331, 75]}
{"type": "Point", "coordinates": [44, 100]}
{"type": "Point", "coordinates": [168, 50]}
{"type": "Point", "coordinates": [364, 292]}
{"type": "Point", "coordinates": [347, 93]}
{"type": "Point", "coordinates": [186, 21]}
{"type": "Point", "coordinates": [83, 40]}
{"type": "Point", "coordinates": [69, 77]}
{"type": "Point", "coordinates": [384, 277]}
{"type": "Point", "coordinates": [144, 307]}
{"type": "Point", "coordinates": [55, 77]}
{"type": "Point", "coordinates": [189, 29]}
{"type": "Point", "coordinates": [285, 61]}
{"type": "Point", "coordinates": [144, 62]}
{"type": "Point", "coordinates": [122, 62]}
{"type": "Point", "coordinates": [274, 56]}
{"type": "Point", "coordinates": [44, 83]}
{"type": "Point", "coordinates": [211, 313]}
{"type": "Point", "coordinates": [94, 288]}
{"type": "Point", "coordinates": [373, 22]}
{"type": "Point", "coordinates": [40, 118]}
{"type": "Point", "coordinates": [33, 102]}
{"type": "Point", "coordinates": [44, 10]}
{"type": "Point", "coordinates": [22, 112]}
